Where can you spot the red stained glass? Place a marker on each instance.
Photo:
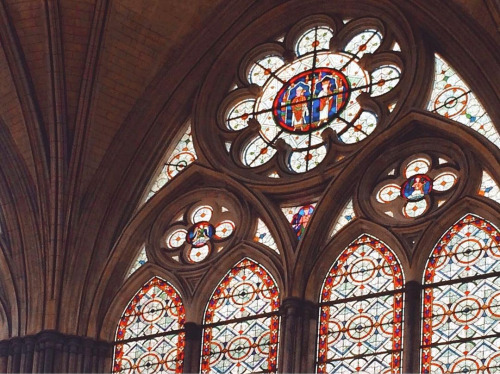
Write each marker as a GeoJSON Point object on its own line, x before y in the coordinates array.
{"type": "Point", "coordinates": [241, 323]}
{"type": "Point", "coordinates": [150, 334]}
{"type": "Point", "coordinates": [461, 300]}
{"type": "Point", "coordinates": [363, 333]}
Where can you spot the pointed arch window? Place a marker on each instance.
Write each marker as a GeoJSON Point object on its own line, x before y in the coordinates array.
{"type": "Point", "coordinates": [461, 300]}
{"type": "Point", "coordinates": [361, 311]}
{"type": "Point", "coordinates": [150, 336]}
{"type": "Point", "coordinates": [241, 322]}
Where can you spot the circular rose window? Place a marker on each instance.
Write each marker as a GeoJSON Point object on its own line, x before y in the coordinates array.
{"type": "Point", "coordinates": [300, 98]}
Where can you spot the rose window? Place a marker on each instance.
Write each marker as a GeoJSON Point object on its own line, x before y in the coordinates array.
{"type": "Point", "coordinates": [411, 193]}
{"type": "Point", "coordinates": [299, 103]}
{"type": "Point", "coordinates": [204, 234]}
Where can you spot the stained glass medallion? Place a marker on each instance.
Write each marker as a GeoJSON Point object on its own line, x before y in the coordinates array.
{"type": "Point", "coordinates": [150, 336]}
{"type": "Point", "coordinates": [410, 194]}
{"type": "Point", "coordinates": [364, 333]}
{"type": "Point", "coordinates": [461, 300]}
{"type": "Point", "coordinates": [311, 100]}
{"type": "Point", "coordinates": [316, 91]}
{"type": "Point", "coordinates": [205, 234]}
{"type": "Point", "coordinates": [241, 325]}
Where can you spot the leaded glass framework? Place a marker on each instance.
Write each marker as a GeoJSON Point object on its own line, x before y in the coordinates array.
{"type": "Point", "coordinates": [361, 311]}
{"type": "Point", "coordinates": [241, 324]}
{"type": "Point", "coordinates": [461, 300]}
{"type": "Point", "coordinates": [150, 336]}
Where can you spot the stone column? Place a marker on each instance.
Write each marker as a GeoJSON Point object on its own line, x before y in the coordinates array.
{"type": "Point", "coordinates": [412, 326]}
{"type": "Point", "coordinates": [298, 331]}
{"type": "Point", "coordinates": [192, 349]}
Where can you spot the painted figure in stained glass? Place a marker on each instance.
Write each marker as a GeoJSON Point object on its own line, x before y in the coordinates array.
{"type": "Point", "coordinates": [301, 219]}
{"type": "Point", "coordinates": [416, 187]}
{"type": "Point", "coordinates": [200, 233]}
{"type": "Point", "coordinates": [311, 100]}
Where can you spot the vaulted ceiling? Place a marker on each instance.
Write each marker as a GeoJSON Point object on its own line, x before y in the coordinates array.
{"type": "Point", "coordinates": [85, 85]}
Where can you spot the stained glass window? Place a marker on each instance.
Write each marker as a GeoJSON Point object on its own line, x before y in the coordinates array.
{"type": "Point", "coordinates": [489, 188]}
{"type": "Point", "coordinates": [361, 311]}
{"type": "Point", "coordinates": [204, 234]}
{"type": "Point", "coordinates": [408, 194]}
{"type": "Point", "coordinates": [140, 260]}
{"type": "Point", "coordinates": [299, 218]}
{"type": "Point", "coordinates": [182, 156]}
{"type": "Point", "coordinates": [461, 300]}
{"type": "Point", "coordinates": [150, 336]}
{"type": "Point", "coordinates": [318, 90]}
{"type": "Point", "coordinates": [263, 235]}
{"type": "Point", "coordinates": [345, 217]}
{"type": "Point", "coordinates": [452, 98]}
{"type": "Point", "coordinates": [241, 324]}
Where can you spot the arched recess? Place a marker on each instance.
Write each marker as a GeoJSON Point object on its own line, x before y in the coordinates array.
{"type": "Point", "coordinates": [241, 322]}
{"type": "Point", "coordinates": [461, 299]}
{"type": "Point", "coordinates": [150, 224]}
{"type": "Point", "coordinates": [361, 310]}
{"type": "Point", "coordinates": [150, 334]}
{"type": "Point", "coordinates": [414, 126]}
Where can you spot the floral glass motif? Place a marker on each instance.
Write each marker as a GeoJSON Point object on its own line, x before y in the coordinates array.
{"type": "Point", "coordinates": [263, 235]}
{"type": "Point", "coordinates": [140, 260]}
{"type": "Point", "coordinates": [345, 217]}
{"type": "Point", "coordinates": [489, 188]}
{"type": "Point", "coordinates": [365, 333]}
{"type": "Point", "coordinates": [299, 218]}
{"type": "Point", "coordinates": [461, 301]}
{"type": "Point", "coordinates": [316, 91]}
{"type": "Point", "coordinates": [409, 194]}
{"type": "Point", "coordinates": [197, 241]}
{"type": "Point", "coordinates": [150, 336]}
{"type": "Point", "coordinates": [241, 324]}
{"type": "Point", "coordinates": [182, 156]}
{"type": "Point", "coordinates": [452, 98]}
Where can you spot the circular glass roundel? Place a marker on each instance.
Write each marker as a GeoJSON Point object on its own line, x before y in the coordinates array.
{"type": "Point", "coordinates": [416, 187]}
{"type": "Point", "coordinates": [200, 234]}
{"type": "Point", "coordinates": [311, 100]}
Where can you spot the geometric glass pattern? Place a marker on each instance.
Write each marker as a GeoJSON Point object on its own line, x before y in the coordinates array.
{"type": "Point", "coordinates": [140, 260]}
{"type": "Point", "coordinates": [150, 336]}
{"type": "Point", "coordinates": [182, 156]}
{"type": "Point", "coordinates": [361, 311]}
{"type": "Point", "coordinates": [300, 99]}
{"type": "Point", "coordinates": [489, 188]}
{"type": "Point", "coordinates": [241, 324]}
{"type": "Point", "coordinates": [452, 98]}
{"type": "Point", "coordinates": [344, 218]}
{"type": "Point", "coordinates": [263, 235]}
{"type": "Point", "coordinates": [461, 300]}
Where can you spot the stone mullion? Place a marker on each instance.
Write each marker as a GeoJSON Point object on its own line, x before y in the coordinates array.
{"type": "Point", "coordinates": [192, 348]}
{"type": "Point", "coordinates": [298, 327]}
{"type": "Point", "coordinates": [412, 325]}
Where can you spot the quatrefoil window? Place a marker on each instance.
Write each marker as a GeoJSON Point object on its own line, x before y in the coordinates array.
{"type": "Point", "coordinates": [412, 192]}
{"type": "Point", "coordinates": [203, 234]}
